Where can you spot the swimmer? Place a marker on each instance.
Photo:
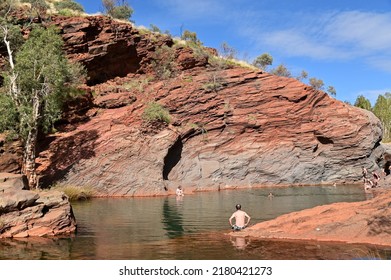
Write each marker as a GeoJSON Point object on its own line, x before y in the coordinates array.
{"type": "Point", "coordinates": [240, 218]}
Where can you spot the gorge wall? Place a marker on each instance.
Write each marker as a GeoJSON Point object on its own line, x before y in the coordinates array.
{"type": "Point", "coordinates": [231, 126]}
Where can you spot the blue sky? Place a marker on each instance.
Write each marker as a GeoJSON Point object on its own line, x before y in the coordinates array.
{"type": "Point", "coordinates": [345, 43]}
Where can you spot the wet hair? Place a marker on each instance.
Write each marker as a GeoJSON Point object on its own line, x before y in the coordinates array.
{"type": "Point", "coordinates": [238, 206]}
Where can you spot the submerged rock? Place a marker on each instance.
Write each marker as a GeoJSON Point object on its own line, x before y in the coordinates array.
{"type": "Point", "coordinates": [25, 213]}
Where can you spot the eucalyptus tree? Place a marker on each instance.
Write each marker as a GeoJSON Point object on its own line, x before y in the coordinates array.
{"type": "Point", "coordinates": [363, 103]}
{"type": "Point", "coordinates": [39, 79]}
{"type": "Point", "coordinates": [282, 71]}
{"type": "Point", "coordinates": [382, 110]}
{"type": "Point", "coordinates": [317, 84]}
{"type": "Point", "coordinates": [263, 61]}
{"type": "Point", "coordinates": [119, 9]}
{"type": "Point", "coordinates": [331, 90]}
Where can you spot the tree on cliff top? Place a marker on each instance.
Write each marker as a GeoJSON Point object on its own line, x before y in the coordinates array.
{"type": "Point", "coordinates": [119, 9]}
{"type": "Point", "coordinates": [37, 83]}
{"type": "Point", "coordinates": [263, 61]}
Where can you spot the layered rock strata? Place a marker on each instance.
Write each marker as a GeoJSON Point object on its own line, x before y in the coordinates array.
{"type": "Point", "coordinates": [257, 129]}
{"type": "Point", "coordinates": [231, 126]}
{"type": "Point", "coordinates": [25, 213]}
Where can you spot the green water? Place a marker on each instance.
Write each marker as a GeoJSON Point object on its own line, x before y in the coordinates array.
{"type": "Point", "coordinates": [193, 227]}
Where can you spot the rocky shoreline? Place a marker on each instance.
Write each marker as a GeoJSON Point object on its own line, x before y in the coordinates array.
{"type": "Point", "coordinates": [365, 222]}
{"type": "Point", "coordinates": [25, 213]}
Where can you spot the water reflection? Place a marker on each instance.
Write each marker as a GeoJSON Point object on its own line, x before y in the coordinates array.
{"type": "Point", "coordinates": [193, 227]}
{"type": "Point", "coordinates": [239, 242]}
{"type": "Point", "coordinates": [36, 248]}
{"type": "Point", "coordinates": [211, 246]}
{"type": "Point", "coordinates": [172, 218]}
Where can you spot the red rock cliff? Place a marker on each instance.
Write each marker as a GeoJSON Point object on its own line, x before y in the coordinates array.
{"type": "Point", "coordinates": [231, 127]}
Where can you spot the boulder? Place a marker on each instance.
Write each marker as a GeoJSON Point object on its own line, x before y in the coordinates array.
{"type": "Point", "coordinates": [25, 213]}
{"type": "Point", "coordinates": [14, 200]}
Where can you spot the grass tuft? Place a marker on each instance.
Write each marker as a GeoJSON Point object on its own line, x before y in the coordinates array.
{"type": "Point", "coordinates": [76, 193]}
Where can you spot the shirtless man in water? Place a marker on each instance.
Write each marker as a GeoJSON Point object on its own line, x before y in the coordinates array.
{"type": "Point", "coordinates": [240, 218]}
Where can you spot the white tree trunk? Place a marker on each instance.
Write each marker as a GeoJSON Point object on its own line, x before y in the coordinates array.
{"type": "Point", "coordinates": [29, 159]}
{"type": "Point", "coordinates": [30, 147]}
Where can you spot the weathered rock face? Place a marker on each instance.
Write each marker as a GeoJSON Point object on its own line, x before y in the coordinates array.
{"type": "Point", "coordinates": [107, 48]}
{"type": "Point", "coordinates": [25, 213]}
{"type": "Point", "coordinates": [10, 155]}
{"type": "Point", "coordinates": [256, 129]}
{"type": "Point", "coordinates": [231, 127]}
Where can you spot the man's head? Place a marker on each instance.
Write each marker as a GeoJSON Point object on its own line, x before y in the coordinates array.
{"type": "Point", "coordinates": [238, 206]}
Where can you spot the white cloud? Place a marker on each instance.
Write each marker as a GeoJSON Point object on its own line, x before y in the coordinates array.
{"type": "Point", "coordinates": [340, 35]}
{"type": "Point", "coordinates": [362, 30]}
{"type": "Point", "coordinates": [332, 35]}
{"type": "Point", "coordinates": [296, 43]}
{"type": "Point", "coordinates": [319, 35]}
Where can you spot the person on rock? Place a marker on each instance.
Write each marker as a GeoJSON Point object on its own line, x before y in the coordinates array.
{"type": "Point", "coordinates": [376, 179]}
{"type": "Point", "coordinates": [240, 219]}
{"type": "Point", "coordinates": [364, 173]}
{"type": "Point", "coordinates": [368, 184]}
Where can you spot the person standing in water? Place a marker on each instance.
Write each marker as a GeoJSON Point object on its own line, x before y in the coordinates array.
{"type": "Point", "coordinates": [179, 191]}
{"type": "Point", "coordinates": [240, 218]}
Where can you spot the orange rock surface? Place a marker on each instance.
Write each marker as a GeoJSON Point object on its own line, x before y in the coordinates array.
{"type": "Point", "coordinates": [367, 222]}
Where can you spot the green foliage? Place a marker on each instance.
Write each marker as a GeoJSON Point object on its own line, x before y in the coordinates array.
{"type": "Point", "coordinates": [137, 84]}
{"type": "Point", "coordinates": [215, 83]}
{"type": "Point", "coordinates": [212, 86]}
{"type": "Point", "coordinates": [122, 12]}
{"type": "Point", "coordinates": [14, 34]}
{"type": "Point", "coordinates": [8, 113]}
{"type": "Point", "coordinates": [6, 6]}
{"type": "Point", "coordinates": [191, 37]}
{"type": "Point", "coordinates": [331, 90]}
{"type": "Point", "coordinates": [382, 109]}
{"type": "Point", "coordinates": [303, 75]}
{"type": "Point", "coordinates": [71, 5]}
{"type": "Point", "coordinates": [76, 193]}
{"type": "Point", "coordinates": [316, 83]}
{"type": "Point", "coordinates": [163, 62]}
{"type": "Point", "coordinates": [117, 9]}
{"type": "Point", "coordinates": [67, 12]}
{"type": "Point", "coordinates": [281, 71]}
{"type": "Point", "coordinates": [38, 7]}
{"type": "Point", "coordinates": [363, 103]}
{"type": "Point", "coordinates": [263, 61]}
{"type": "Point", "coordinates": [44, 77]}
{"type": "Point", "coordinates": [156, 112]}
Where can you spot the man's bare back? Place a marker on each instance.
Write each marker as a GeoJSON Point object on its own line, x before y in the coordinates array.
{"type": "Point", "coordinates": [240, 218]}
